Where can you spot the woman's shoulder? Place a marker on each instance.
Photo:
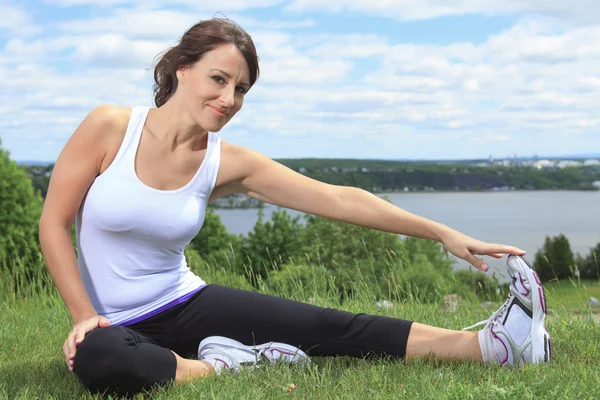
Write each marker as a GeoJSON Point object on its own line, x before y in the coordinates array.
{"type": "Point", "coordinates": [110, 116]}
{"type": "Point", "coordinates": [111, 122]}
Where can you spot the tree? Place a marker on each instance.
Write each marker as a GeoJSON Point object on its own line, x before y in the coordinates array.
{"type": "Point", "coordinates": [555, 260]}
{"type": "Point", "coordinates": [354, 255]}
{"type": "Point", "coordinates": [213, 243]}
{"type": "Point", "coordinates": [40, 177]}
{"type": "Point", "coordinates": [271, 243]}
{"type": "Point", "coordinates": [433, 251]}
{"type": "Point", "coordinates": [20, 210]}
{"type": "Point", "coordinates": [480, 284]}
{"type": "Point", "coordinates": [589, 267]}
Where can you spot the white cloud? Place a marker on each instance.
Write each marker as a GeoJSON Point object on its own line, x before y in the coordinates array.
{"type": "Point", "coordinates": [300, 70]}
{"type": "Point", "coordinates": [197, 4]}
{"type": "Point", "coordinates": [159, 24]}
{"type": "Point", "coordinates": [369, 95]}
{"type": "Point", "coordinates": [583, 11]}
{"type": "Point", "coordinates": [344, 46]}
{"type": "Point", "coordinates": [20, 50]}
{"type": "Point", "coordinates": [15, 20]}
{"type": "Point", "coordinates": [144, 24]}
{"type": "Point", "coordinates": [116, 51]}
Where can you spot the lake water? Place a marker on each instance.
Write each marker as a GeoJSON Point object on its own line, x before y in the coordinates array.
{"type": "Point", "coordinates": [518, 218]}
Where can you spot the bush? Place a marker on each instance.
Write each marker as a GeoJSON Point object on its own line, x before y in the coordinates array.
{"type": "Point", "coordinates": [302, 282]}
{"type": "Point", "coordinates": [217, 246]}
{"type": "Point", "coordinates": [270, 244]}
{"type": "Point", "coordinates": [333, 258]}
{"type": "Point", "coordinates": [349, 252]}
{"type": "Point", "coordinates": [484, 287]}
{"type": "Point", "coordinates": [20, 210]}
{"type": "Point", "coordinates": [432, 251]}
{"type": "Point", "coordinates": [589, 267]}
{"type": "Point", "coordinates": [215, 274]}
{"type": "Point", "coordinates": [422, 282]}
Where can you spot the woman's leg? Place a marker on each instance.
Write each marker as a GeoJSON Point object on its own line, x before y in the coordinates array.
{"type": "Point", "coordinates": [119, 360]}
{"type": "Point", "coordinates": [189, 368]}
{"type": "Point", "coordinates": [254, 318]}
{"type": "Point", "coordinates": [123, 360]}
{"type": "Point", "coordinates": [514, 335]}
{"type": "Point", "coordinates": [425, 340]}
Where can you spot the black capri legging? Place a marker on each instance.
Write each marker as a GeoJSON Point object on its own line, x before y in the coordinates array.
{"type": "Point", "coordinates": [125, 360]}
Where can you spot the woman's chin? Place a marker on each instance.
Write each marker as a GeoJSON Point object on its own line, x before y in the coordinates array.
{"type": "Point", "coordinates": [212, 126]}
{"type": "Point", "coordinates": [215, 128]}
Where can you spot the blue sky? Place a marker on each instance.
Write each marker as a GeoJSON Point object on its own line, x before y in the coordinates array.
{"type": "Point", "coordinates": [403, 79]}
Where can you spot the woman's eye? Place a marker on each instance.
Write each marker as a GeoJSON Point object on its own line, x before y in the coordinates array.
{"type": "Point", "coordinates": [220, 80]}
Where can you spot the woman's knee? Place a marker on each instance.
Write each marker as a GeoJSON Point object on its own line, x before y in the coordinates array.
{"type": "Point", "coordinates": [98, 357]}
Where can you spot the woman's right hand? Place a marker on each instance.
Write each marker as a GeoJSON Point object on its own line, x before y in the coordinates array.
{"type": "Point", "coordinates": [77, 334]}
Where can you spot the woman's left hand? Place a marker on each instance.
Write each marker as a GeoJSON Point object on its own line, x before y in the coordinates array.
{"type": "Point", "coordinates": [465, 247]}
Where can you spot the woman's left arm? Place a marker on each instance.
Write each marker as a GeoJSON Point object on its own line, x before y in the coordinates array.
{"type": "Point", "coordinates": [274, 183]}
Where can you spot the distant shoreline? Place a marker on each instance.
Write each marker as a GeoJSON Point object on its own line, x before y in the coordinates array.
{"type": "Point", "coordinates": [416, 161]}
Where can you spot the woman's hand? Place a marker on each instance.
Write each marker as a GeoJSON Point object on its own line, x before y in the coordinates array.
{"type": "Point", "coordinates": [78, 333]}
{"type": "Point", "coordinates": [466, 247]}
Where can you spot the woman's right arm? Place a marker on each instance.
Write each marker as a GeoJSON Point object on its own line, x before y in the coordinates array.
{"type": "Point", "coordinates": [76, 168]}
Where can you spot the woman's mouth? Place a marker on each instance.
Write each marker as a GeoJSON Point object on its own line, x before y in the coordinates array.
{"type": "Point", "coordinates": [217, 112]}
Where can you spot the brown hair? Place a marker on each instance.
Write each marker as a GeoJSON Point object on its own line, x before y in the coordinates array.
{"type": "Point", "coordinates": [199, 39]}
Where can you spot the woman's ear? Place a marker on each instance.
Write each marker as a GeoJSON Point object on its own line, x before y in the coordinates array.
{"type": "Point", "coordinates": [181, 75]}
{"type": "Point", "coordinates": [183, 71]}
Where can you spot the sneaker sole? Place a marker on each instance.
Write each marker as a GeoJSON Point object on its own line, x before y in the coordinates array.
{"type": "Point", "coordinates": [541, 350]}
{"type": "Point", "coordinates": [297, 355]}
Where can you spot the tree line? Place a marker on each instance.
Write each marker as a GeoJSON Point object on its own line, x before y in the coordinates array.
{"type": "Point", "coordinates": [384, 175]}
{"type": "Point", "coordinates": [388, 176]}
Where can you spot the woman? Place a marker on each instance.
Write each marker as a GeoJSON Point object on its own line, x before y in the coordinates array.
{"type": "Point", "coordinates": [137, 182]}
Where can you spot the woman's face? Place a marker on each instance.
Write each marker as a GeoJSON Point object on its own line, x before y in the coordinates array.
{"type": "Point", "coordinates": [214, 87]}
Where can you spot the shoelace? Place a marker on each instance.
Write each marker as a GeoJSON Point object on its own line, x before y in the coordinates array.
{"type": "Point", "coordinates": [267, 354]}
{"type": "Point", "coordinates": [262, 353]}
{"type": "Point", "coordinates": [218, 350]}
{"type": "Point", "coordinates": [229, 361]}
{"type": "Point", "coordinates": [494, 316]}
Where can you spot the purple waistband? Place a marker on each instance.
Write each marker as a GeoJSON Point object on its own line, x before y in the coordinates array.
{"type": "Point", "coordinates": [170, 304]}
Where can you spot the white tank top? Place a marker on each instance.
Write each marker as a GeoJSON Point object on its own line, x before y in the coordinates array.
{"type": "Point", "coordinates": [131, 237]}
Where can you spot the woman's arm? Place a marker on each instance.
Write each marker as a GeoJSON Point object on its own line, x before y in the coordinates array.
{"type": "Point", "coordinates": [267, 180]}
{"type": "Point", "coordinates": [76, 167]}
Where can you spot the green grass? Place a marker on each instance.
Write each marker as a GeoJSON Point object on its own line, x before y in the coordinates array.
{"type": "Point", "coordinates": [32, 332]}
{"type": "Point", "coordinates": [573, 295]}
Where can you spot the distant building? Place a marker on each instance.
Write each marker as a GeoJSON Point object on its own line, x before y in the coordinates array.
{"type": "Point", "coordinates": [569, 163]}
{"type": "Point", "coordinates": [544, 164]}
{"type": "Point", "coordinates": [591, 162]}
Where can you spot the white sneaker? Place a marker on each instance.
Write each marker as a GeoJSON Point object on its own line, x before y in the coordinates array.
{"type": "Point", "coordinates": [229, 354]}
{"type": "Point", "coordinates": [515, 334]}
